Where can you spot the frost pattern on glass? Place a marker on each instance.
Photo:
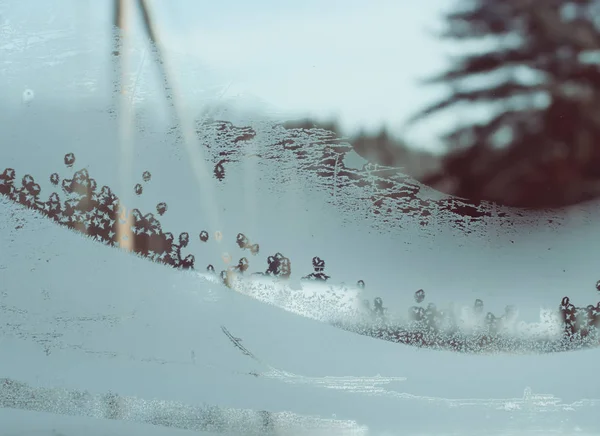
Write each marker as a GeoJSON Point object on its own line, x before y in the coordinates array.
{"type": "Point", "coordinates": [81, 196]}
{"type": "Point", "coordinates": [97, 213]}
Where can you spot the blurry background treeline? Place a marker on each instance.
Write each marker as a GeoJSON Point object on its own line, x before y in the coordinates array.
{"type": "Point", "coordinates": [539, 79]}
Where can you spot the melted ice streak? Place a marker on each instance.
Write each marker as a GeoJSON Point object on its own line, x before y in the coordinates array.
{"type": "Point", "coordinates": [529, 402]}
{"type": "Point", "coordinates": [23, 396]}
{"type": "Point", "coordinates": [18, 324]}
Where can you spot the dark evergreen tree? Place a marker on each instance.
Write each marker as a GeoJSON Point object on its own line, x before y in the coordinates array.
{"type": "Point", "coordinates": [541, 76]}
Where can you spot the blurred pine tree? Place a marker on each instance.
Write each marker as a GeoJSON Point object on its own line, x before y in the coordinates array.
{"type": "Point", "coordinates": [541, 147]}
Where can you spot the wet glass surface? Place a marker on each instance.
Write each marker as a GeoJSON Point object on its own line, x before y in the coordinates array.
{"type": "Point", "coordinates": [176, 256]}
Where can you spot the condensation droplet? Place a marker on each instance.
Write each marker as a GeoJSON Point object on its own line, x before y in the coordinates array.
{"type": "Point", "coordinates": [69, 159]}
{"type": "Point", "coordinates": [161, 208]}
{"type": "Point", "coordinates": [28, 96]}
{"type": "Point", "coordinates": [226, 257]}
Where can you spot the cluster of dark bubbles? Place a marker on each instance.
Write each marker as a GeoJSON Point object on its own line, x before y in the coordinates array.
{"type": "Point", "coordinates": [146, 176]}
{"type": "Point", "coordinates": [431, 319]}
{"type": "Point", "coordinates": [138, 189]}
{"type": "Point", "coordinates": [161, 208]}
{"type": "Point", "coordinates": [241, 267]}
{"type": "Point", "coordinates": [430, 327]}
{"type": "Point", "coordinates": [204, 236]}
{"type": "Point", "coordinates": [98, 213]}
{"type": "Point", "coordinates": [598, 285]}
{"type": "Point", "coordinates": [318, 270]}
{"type": "Point", "coordinates": [244, 243]}
{"type": "Point", "coordinates": [579, 322]}
{"type": "Point", "coordinates": [279, 266]}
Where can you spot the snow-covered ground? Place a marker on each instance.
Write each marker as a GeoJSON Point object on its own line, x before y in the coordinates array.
{"type": "Point", "coordinates": [94, 340]}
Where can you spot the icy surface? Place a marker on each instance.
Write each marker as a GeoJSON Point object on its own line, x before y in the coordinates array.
{"type": "Point", "coordinates": [150, 332]}
{"type": "Point", "coordinates": [84, 325]}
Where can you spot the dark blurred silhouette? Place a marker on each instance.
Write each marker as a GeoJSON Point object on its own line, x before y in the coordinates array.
{"type": "Point", "coordinates": [540, 148]}
{"type": "Point", "coordinates": [540, 78]}
{"type": "Point", "coordinates": [541, 81]}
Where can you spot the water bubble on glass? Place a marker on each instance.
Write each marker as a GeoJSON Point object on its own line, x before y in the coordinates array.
{"type": "Point", "coordinates": [28, 96]}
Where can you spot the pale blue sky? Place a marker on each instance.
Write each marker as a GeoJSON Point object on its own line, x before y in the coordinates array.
{"type": "Point", "coordinates": [358, 60]}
